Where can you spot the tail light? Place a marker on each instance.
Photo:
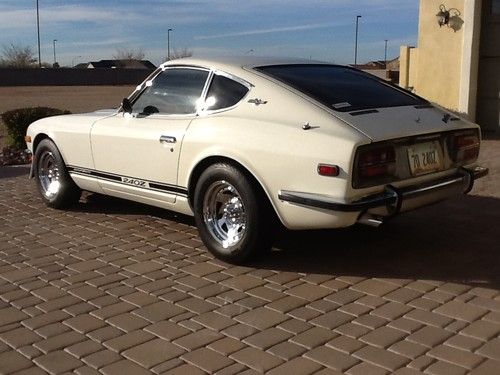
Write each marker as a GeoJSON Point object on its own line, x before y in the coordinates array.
{"type": "Point", "coordinates": [375, 165]}
{"type": "Point", "coordinates": [464, 147]}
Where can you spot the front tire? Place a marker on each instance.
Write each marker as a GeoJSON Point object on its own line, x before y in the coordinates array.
{"type": "Point", "coordinates": [53, 181]}
{"type": "Point", "coordinates": [232, 214]}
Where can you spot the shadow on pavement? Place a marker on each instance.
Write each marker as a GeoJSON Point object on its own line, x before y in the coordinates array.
{"type": "Point", "coordinates": [15, 171]}
{"type": "Point", "coordinates": [454, 241]}
{"type": "Point", "coordinates": [98, 203]}
{"type": "Point", "coordinates": [490, 136]}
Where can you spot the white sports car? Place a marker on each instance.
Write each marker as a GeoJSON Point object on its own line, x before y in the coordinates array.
{"type": "Point", "coordinates": [240, 142]}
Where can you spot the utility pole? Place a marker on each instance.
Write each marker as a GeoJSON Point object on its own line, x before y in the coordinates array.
{"type": "Point", "coordinates": [38, 32]}
{"type": "Point", "coordinates": [356, 43]}
{"type": "Point", "coordinates": [168, 44]}
{"type": "Point", "coordinates": [385, 54]}
{"type": "Point", "coordinates": [55, 59]}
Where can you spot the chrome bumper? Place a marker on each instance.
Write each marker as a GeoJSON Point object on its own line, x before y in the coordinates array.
{"type": "Point", "coordinates": [392, 198]}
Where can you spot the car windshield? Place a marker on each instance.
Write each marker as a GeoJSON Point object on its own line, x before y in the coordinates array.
{"type": "Point", "coordinates": [341, 88]}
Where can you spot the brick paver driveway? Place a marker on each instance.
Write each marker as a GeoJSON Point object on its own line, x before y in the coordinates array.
{"type": "Point", "coordinates": [121, 288]}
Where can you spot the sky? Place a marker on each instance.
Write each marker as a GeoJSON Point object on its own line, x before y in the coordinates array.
{"type": "Point", "coordinates": [89, 30]}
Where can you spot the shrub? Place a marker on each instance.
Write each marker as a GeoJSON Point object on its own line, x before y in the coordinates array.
{"type": "Point", "coordinates": [18, 120]}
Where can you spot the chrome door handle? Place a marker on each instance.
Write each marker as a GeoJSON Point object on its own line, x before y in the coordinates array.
{"type": "Point", "coordinates": [167, 139]}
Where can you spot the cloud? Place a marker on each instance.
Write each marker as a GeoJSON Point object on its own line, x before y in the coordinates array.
{"type": "Point", "coordinates": [267, 31]}
{"type": "Point", "coordinates": [11, 18]}
{"type": "Point", "coordinates": [104, 42]}
{"type": "Point", "coordinates": [20, 18]}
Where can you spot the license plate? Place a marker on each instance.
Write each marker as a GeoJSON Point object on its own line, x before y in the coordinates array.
{"type": "Point", "coordinates": [424, 158]}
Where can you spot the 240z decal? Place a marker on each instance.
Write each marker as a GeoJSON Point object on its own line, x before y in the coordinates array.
{"type": "Point", "coordinates": [134, 182]}
{"type": "Point", "coordinates": [158, 186]}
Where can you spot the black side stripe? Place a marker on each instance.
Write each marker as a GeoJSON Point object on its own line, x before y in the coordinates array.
{"type": "Point", "coordinates": [101, 175]}
{"type": "Point", "coordinates": [174, 189]}
{"type": "Point", "coordinates": [153, 185]}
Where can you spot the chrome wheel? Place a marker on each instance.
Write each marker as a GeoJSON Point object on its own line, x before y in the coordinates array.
{"type": "Point", "coordinates": [48, 174]}
{"type": "Point", "coordinates": [224, 213]}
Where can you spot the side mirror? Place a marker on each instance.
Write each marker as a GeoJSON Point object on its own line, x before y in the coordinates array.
{"type": "Point", "coordinates": [149, 110]}
{"type": "Point", "coordinates": [126, 105]}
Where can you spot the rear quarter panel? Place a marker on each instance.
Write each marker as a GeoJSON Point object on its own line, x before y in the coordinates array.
{"type": "Point", "coordinates": [268, 140]}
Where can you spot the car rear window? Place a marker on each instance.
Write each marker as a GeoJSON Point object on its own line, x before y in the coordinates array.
{"type": "Point", "coordinates": [341, 88]}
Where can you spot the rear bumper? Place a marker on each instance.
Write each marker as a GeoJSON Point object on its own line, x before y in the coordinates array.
{"type": "Point", "coordinates": [394, 200]}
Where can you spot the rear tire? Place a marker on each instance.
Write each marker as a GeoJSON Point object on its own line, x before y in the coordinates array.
{"type": "Point", "coordinates": [232, 214]}
{"type": "Point", "coordinates": [53, 181]}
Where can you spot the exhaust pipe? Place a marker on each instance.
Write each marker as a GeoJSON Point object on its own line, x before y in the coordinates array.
{"type": "Point", "coordinates": [371, 220]}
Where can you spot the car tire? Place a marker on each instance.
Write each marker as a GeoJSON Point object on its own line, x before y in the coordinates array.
{"type": "Point", "coordinates": [232, 214]}
{"type": "Point", "coordinates": [53, 181]}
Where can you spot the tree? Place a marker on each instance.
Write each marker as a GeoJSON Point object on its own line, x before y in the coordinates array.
{"type": "Point", "coordinates": [129, 54]}
{"type": "Point", "coordinates": [17, 56]}
{"type": "Point", "coordinates": [180, 53]}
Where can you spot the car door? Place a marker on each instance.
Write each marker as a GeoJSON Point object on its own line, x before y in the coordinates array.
{"type": "Point", "coordinates": [136, 154]}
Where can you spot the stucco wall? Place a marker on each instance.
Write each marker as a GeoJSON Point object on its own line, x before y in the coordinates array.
{"type": "Point", "coordinates": [438, 68]}
{"type": "Point", "coordinates": [412, 70]}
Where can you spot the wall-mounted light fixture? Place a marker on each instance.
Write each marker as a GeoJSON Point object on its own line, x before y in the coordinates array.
{"type": "Point", "coordinates": [449, 17]}
{"type": "Point", "coordinates": [443, 16]}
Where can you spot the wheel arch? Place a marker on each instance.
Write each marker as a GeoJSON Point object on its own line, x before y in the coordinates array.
{"type": "Point", "coordinates": [36, 141]}
{"type": "Point", "coordinates": [66, 192]}
{"type": "Point", "coordinates": [38, 138]}
{"type": "Point", "coordinates": [210, 160]}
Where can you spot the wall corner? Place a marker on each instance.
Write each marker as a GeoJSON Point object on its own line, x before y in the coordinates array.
{"type": "Point", "coordinates": [470, 58]}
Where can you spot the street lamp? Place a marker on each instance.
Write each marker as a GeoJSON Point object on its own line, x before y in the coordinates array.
{"type": "Point", "coordinates": [168, 44]}
{"type": "Point", "coordinates": [54, 43]}
{"type": "Point", "coordinates": [38, 32]}
{"type": "Point", "coordinates": [356, 43]}
{"type": "Point", "coordinates": [385, 54]}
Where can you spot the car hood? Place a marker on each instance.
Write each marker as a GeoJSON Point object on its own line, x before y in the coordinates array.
{"type": "Point", "coordinates": [73, 123]}
{"type": "Point", "coordinates": [75, 119]}
{"type": "Point", "coordinates": [397, 122]}
{"type": "Point", "coordinates": [100, 113]}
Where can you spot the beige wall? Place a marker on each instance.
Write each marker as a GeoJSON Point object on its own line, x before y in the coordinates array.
{"type": "Point", "coordinates": [412, 68]}
{"type": "Point", "coordinates": [408, 68]}
{"type": "Point", "coordinates": [438, 68]}
{"type": "Point", "coordinates": [444, 67]}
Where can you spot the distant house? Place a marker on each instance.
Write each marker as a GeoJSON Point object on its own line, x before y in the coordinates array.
{"type": "Point", "coordinates": [379, 68]}
{"type": "Point", "coordinates": [380, 65]}
{"type": "Point", "coordinates": [393, 64]}
{"type": "Point", "coordinates": [372, 65]}
{"type": "Point", "coordinates": [121, 64]}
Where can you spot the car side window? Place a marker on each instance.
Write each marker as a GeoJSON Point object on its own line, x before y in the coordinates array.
{"type": "Point", "coordinates": [224, 93]}
{"type": "Point", "coordinates": [173, 91]}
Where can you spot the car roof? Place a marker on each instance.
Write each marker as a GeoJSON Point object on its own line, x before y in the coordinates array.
{"type": "Point", "coordinates": [240, 62]}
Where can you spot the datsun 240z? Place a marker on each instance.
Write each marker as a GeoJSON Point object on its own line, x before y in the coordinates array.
{"type": "Point", "coordinates": [240, 142]}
